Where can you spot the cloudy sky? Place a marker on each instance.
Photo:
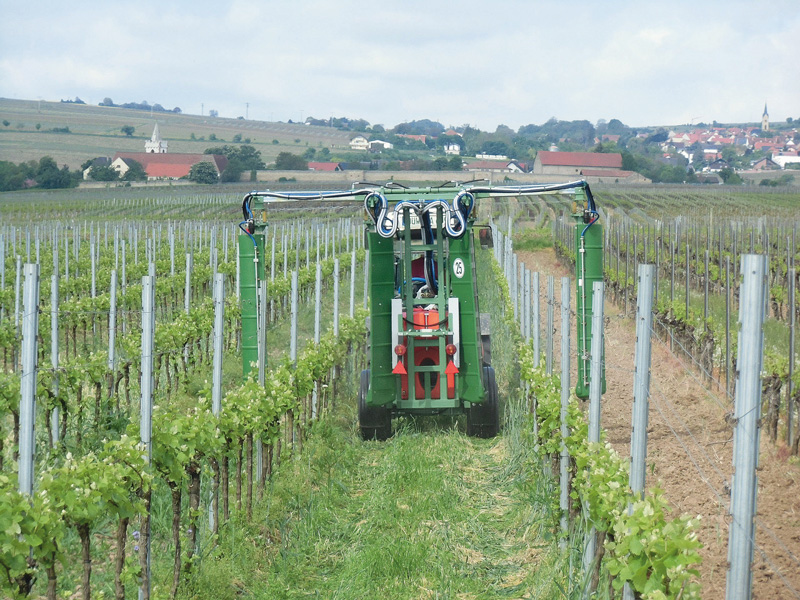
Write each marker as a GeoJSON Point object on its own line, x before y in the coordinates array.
{"type": "Point", "coordinates": [485, 63]}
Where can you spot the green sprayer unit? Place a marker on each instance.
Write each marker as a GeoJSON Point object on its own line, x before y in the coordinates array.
{"type": "Point", "coordinates": [429, 346]}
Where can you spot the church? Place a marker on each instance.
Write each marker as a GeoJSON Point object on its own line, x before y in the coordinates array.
{"type": "Point", "coordinates": [159, 164]}
{"type": "Point", "coordinates": [155, 144]}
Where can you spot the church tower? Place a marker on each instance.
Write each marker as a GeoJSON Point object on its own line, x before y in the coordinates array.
{"type": "Point", "coordinates": [765, 119]}
{"type": "Point", "coordinates": [155, 144]}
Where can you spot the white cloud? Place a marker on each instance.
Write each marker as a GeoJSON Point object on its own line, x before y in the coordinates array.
{"type": "Point", "coordinates": [511, 61]}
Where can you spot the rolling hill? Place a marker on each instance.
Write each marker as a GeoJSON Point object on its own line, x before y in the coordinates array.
{"type": "Point", "coordinates": [37, 128]}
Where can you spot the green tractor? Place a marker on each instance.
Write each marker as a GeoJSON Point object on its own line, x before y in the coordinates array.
{"type": "Point", "coordinates": [429, 346]}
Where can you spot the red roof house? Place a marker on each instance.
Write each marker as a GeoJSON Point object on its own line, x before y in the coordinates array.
{"type": "Point", "coordinates": [324, 166]}
{"type": "Point", "coordinates": [167, 166]}
{"type": "Point", "coordinates": [572, 163]}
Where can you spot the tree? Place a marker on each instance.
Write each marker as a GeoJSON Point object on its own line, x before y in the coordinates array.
{"type": "Point", "coordinates": [309, 153]}
{"type": "Point", "coordinates": [249, 158]}
{"type": "Point", "coordinates": [203, 172]}
{"type": "Point", "coordinates": [12, 177]}
{"type": "Point", "coordinates": [286, 161]}
{"type": "Point", "coordinates": [491, 147]}
{"type": "Point", "coordinates": [104, 173]}
{"type": "Point", "coordinates": [233, 171]}
{"type": "Point", "coordinates": [135, 172]}
{"type": "Point", "coordinates": [128, 130]}
{"type": "Point", "coordinates": [455, 163]}
{"type": "Point", "coordinates": [49, 176]}
{"type": "Point", "coordinates": [730, 177]}
{"type": "Point", "coordinates": [237, 139]}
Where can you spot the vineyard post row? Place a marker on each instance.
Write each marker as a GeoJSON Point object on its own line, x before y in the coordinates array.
{"type": "Point", "coordinates": [31, 335]}
{"type": "Point", "coordinates": [706, 258]}
{"type": "Point", "coordinates": [748, 399]}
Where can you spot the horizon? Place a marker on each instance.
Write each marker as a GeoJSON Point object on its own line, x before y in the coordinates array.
{"type": "Point", "coordinates": [169, 111]}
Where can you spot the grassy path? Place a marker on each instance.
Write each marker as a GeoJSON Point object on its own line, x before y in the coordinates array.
{"type": "Point", "coordinates": [429, 514]}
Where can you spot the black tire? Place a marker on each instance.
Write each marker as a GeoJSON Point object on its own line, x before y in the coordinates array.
{"type": "Point", "coordinates": [375, 422]}
{"type": "Point", "coordinates": [483, 420]}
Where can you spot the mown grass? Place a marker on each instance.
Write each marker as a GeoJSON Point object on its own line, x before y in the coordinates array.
{"type": "Point", "coordinates": [530, 240]}
{"type": "Point", "coordinates": [431, 513]}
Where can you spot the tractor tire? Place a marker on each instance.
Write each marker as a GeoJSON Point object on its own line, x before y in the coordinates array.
{"type": "Point", "coordinates": [375, 422]}
{"type": "Point", "coordinates": [483, 420]}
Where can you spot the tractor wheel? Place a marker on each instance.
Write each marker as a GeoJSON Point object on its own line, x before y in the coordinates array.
{"type": "Point", "coordinates": [483, 420]}
{"type": "Point", "coordinates": [375, 422]}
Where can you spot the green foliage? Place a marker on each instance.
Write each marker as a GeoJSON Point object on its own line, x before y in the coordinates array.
{"type": "Point", "coordinates": [104, 173]}
{"type": "Point", "coordinates": [645, 548]}
{"type": "Point", "coordinates": [286, 161]}
{"type": "Point", "coordinates": [729, 177]}
{"type": "Point", "coordinates": [128, 130]}
{"type": "Point", "coordinates": [135, 172]}
{"type": "Point", "coordinates": [203, 172]}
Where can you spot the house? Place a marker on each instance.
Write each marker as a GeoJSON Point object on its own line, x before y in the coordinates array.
{"type": "Point", "coordinates": [717, 165]}
{"type": "Point", "coordinates": [452, 149]}
{"type": "Point", "coordinates": [452, 132]}
{"type": "Point", "coordinates": [359, 142]}
{"type": "Point", "coordinates": [379, 145]}
{"type": "Point", "coordinates": [411, 136]}
{"type": "Point", "coordinates": [325, 166]}
{"type": "Point", "coordinates": [764, 164]}
{"type": "Point", "coordinates": [785, 158]}
{"type": "Point", "coordinates": [484, 156]}
{"type": "Point", "coordinates": [100, 161]}
{"type": "Point", "coordinates": [572, 163]}
{"type": "Point", "coordinates": [494, 166]}
{"type": "Point", "coordinates": [166, 166]}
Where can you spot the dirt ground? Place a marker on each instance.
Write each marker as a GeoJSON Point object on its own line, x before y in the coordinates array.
{"type": "Point", "coordinates": [689, 451]}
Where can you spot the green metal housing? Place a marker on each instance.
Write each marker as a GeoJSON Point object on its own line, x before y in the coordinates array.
{"type": "Point", "coordinates": [588, 269]}
{"type": "Point", "coordinates": [391, 268]}
{"type": "Point", "coordinates": [390, 275]}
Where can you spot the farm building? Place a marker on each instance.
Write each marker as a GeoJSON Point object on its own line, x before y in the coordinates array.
{"type": "Point", "coordinates": [572, 163]}
{"type": "Point", "coordinates": [166, 166]}
{"type": "Point", "coordinates": [378, 145]}
{"type": "Point", "coordinates": [325, 166]}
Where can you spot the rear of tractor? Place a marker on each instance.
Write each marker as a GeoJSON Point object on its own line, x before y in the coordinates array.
{"type": "Point", "coordinates": [429, 347]}
{"type": "Point", "coordinates": [427, 352]}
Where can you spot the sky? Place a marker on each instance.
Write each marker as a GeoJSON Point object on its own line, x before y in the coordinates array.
{"type": "Point", "coordinates": [482, 63]}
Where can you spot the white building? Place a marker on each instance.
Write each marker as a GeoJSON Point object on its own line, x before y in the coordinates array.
{"type": "Point", "coordinates": [452, 149]}
{"type": "Point", "coordinates": [359, 143]}
{"type": "Point", "coordinates": [378, 145]}
{"type": "Point", "coordinates": [155, 144]}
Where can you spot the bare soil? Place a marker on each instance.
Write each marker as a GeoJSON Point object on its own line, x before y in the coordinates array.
{"type": "Point", "coordinates": [689, 451]}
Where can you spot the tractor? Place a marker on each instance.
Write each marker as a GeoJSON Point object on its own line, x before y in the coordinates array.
{"type": "Point", "coordinates": [429, 350]}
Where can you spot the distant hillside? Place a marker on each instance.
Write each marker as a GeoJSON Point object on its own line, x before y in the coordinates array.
{"type": "Point", "coordinates": [72, 133]}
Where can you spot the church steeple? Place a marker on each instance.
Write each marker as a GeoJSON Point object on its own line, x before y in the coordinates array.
{"type": "Point", "coordinates": [155, 144]}
{"type": "Point", "coordinates": [765, 119]}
